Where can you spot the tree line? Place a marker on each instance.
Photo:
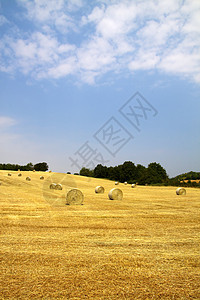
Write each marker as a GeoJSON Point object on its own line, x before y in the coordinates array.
{"type": "Point", "coordinates": [188, 176]}
{"type": "Point", "coordinates": [154, 174]}
{"type": "Point", "coordinates": [129, 172]}
{"type": "Point", "coordinates": [29, 167]}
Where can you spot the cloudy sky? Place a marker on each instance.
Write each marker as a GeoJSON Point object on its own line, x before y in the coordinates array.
{"type": "Point", "coordinates": [88, 82]}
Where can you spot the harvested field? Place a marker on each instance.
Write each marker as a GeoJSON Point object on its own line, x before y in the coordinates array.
{"type": "Point", "coordinates": [145, 246]}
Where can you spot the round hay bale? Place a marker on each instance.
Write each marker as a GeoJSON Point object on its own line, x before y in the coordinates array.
{"type": "Point", "coordinates": [133, 185]}
{"type": "Point", "coordinates": [52, 186]}
{"type": "Point", "coordinates": [58, 186]}
{"type": "Point", "coordinates": [99, 189]}
{"type": "Point", "coordinates": [116, 182]}
{"type": "Point", "coordinates": [115, 194]}
{"type": "Point", "coordinates": [49, 171]}
{"type": "Point", "coordinates": [19, 174]}
{"type": "Point", "coordinates": [125, 182]}
{"type": "Point", "coordinates": [42, 177]}
{"type": "Point", "coordinates": [28, 178]}
{"type": "Point", "coordinates": [74, 197]}
{"type": "Point", "coordinates": [180, 191]}
{"type": "Point", "coordinates": [33, 170]}
{"type": "Point", "coordinates": [9, 174]}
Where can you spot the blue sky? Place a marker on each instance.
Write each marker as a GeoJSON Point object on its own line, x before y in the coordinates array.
{"type": "Point", "coordinates": [68, 67]}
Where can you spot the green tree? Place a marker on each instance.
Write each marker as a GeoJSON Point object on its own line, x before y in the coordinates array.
{"type": "Point", "coordinates": [141, 174]}
{"type": "Point", "coordinates": [156, 173]}
{"type": "Point", "coordinates": [101, 171]}
{"type": "Point", "coordinates": [127, 171]}
{"type": "Point", "coordinates": [86, 172]}
{"type": "Point", "coordinates": [29, 167]}
{"type": "Point", "coordinates": [113, 173]}
{"type": "Point", "coordinates": [41, 167]}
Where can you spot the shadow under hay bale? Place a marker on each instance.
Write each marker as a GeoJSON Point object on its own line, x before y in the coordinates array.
{"type": "Point", "coordinates": [74, 197]}
{"type": "Point", "coordinates": [180, 191]}
{"type": "Point", "coordinates": [99, 189]}
{"type": "Point", "coordinates": [52, 186]}
{"type": "Point", "coordinates": [115, 194]}
{"type": "Point", "coordinates": [42, 177]}
{"type": "Point", "coordinates": [58, 186]}
{"type": "Point", "coordinates": [28, 178]}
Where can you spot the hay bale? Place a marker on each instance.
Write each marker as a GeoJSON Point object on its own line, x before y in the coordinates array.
{"type": "Point", "coordinates": [116, 182]}
{"type": "Point", "coordinates": [99, 189]}
{"type": "Point", "coordinates": [74, 197]}
{"type": "Point", "coordinates": [19, 174]}
{"type": "Point", "coordinates": [42, 177]}
{"type": "Point", "coordinates": [58, 186]}
{"type": "Point", "coordinates": [49, 171]}
{"type": "Point", "coordinates": [125, 182]}
{"type": "Point", "coordinates": [180, 191]}
{"type": "Point", "coordinates": [9, 174]}
{"type": "Point", "coordinates": [133, 185]}
{"type": "Point", "coordinates": [28, 178]}
{"type": "Point", "coordinates": [115, 194]}
{"type": "Point", "coordinates": [33, 170]}
{"type": "Point", "coordinates": [52, 186]}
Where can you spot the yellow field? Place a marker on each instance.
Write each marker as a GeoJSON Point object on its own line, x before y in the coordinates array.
{"type": "Point", "coordinates": [145, 246]}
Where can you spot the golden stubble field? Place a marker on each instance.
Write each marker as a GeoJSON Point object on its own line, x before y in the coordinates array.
{"type": "Point", "coordinates": [143, 247]}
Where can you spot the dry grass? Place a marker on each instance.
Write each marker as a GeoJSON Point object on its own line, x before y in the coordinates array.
{"type": "Point", "coordinates": [145, 246]}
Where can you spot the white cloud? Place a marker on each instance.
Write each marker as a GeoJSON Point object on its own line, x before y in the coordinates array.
{"type": "Point", "coordinates": [66, 67]}
{"type": "Point", "coordinates": [112, 36]}
{"type": "Point", "coordinates": [42, 10]}
{"type": "Point", "coordinates": [144, 61]}
{"type": "Point", "coordinates": [52, 12]}
{"type": "Point", "coordinates": [6, 122]}
{"type": "Point", "coordinates": [3, 20]}
{"type": "Point", "coordinates": [95, 55]}
{"type": "Point", "coordinates": [117, 20]}
{"type": "Point", "coordinates": [6, 134]}
{"type": "Point", "coordinates": [181, 62]}
{"type": "Point", "coordinates": [64, 48]}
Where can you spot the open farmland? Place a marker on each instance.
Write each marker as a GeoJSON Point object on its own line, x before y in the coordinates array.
{"type": "Point", "coordinates": [145, 246]}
